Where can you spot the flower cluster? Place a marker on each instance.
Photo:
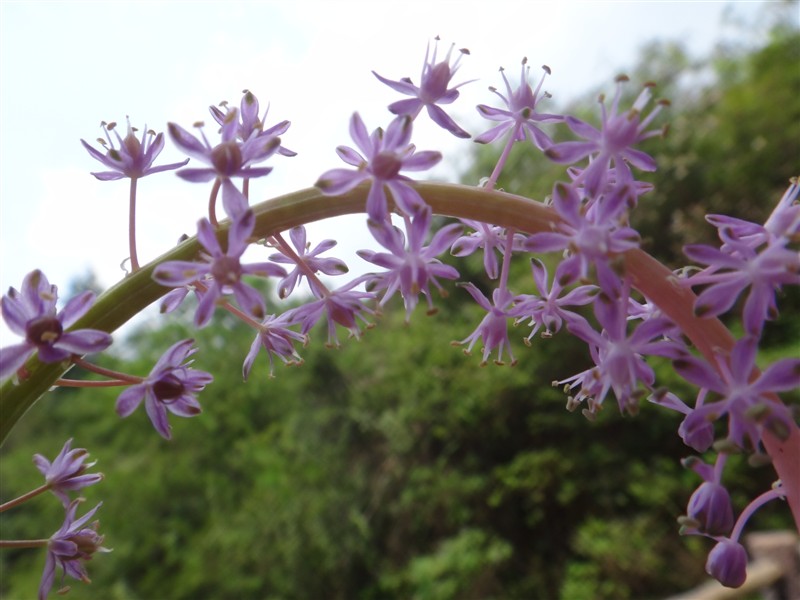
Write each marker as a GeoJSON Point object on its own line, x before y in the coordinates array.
{"type": "Point", "coordinates": [625, 314]}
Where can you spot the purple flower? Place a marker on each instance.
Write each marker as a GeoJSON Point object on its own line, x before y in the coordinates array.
{"type": "Point", "coordinates": [591, 236]}
{"type": "Point", "coordinates": [229, 158]}
{"type": "Point", "coordinates": [612, 144]}
{"type": "Point", "coordinates": [249, 123]}
{"type": "Point", "coordinates": [134, 158]}
{"type": "Point", "coordinates": [222, 271]}
{"type": "Point", "coordinates": [619, 357]}
{"type": "Point", "coordinates": [171, 385]}
{"type": "Point", "coordinates": [432, 91]}
{"type": "Point", "coordinates": [521, 117]}
{"type": "Point", "coordinates": [343, 307]}
{"type": "Point", "coordinates": [70, 547]}
{"type": "Point", "coordinates": [745, 398]}
{"type": "Point", "coordinates": [32, 314]}
{"type": "Point", "coordinates": [547, 310]}
{"type": "Point", "coordinates": [310, 260]}
{"type": "Point", "coordinates": [275, 337]}
{"type": "Point", "coordinates": [727, 563]}
{"type": "Point", "coordinates": [67, 472]}
{"type": "Point", "coordinates": [735, 268]}
{"type": "Point", "coordinates": [784, 222]}
{"type": "Point", "coordinates": [387, 153]}
{"type": "Point", "coordinates": [410, 269]}
{"type": "Point", "coordinates": [493, 328]}
{"type": "Point", "coordinates": [489, 237]}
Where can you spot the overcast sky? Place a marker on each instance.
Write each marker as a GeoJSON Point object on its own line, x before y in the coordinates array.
{"type": "Point", "coordinates": [65, 66]}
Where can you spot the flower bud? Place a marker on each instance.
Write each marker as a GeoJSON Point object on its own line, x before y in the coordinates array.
{"type": "Point", "coordinates": [710, 506]}
{"type": "Point", "coordinates": [697, 433]}
{"type": "Point", "coordinates": [727, 563]}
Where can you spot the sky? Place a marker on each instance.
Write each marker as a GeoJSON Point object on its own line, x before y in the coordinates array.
{"type": "Point", "coordinates": [66, 66]}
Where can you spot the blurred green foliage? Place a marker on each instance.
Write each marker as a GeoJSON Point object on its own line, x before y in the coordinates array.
{"type": "Point", "coordinates": [395, 467]}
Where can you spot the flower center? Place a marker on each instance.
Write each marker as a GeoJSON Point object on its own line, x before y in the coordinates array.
{"type": "Point", "coordinates": [434, 85]}
{"type": "Point", "coordinates": [227, 158]}
{"type": "Point", "coordinates": [386, 166]}
{"type": "Point", "coordinates": [44, 330]}
{"type": "Point", "coordinates": [226, 270]}
{"type": "Point", "coordinates": [168, 388]}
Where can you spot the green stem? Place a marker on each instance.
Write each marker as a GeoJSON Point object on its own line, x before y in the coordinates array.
{"type": "Point", "coordinates": [134, 293]}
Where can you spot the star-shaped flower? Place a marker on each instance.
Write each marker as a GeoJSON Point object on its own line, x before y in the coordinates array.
{"type": "Point", "coordinates": [32, 314]}
{"type": "Point", "coordinates": [410, 267]}
{"type": "Point", "coordinates": [171, 386]}
{"type": "Point", "coordinates": [69, 547]}
{"type": "Point", "coordinates": [385, 154]}
{"type": "Point", "coordinates": [432, 91]}
{"type": "Point", "coordinates": [521, 117]}
{"type": "Point", "coordinates": [134, 157]}
{"type": "Point", "coordinates": [612, 144]}
{"type": "Point", "coordinates": [221, 272]}
{"type": "Point", "coordinates": [67, 472]}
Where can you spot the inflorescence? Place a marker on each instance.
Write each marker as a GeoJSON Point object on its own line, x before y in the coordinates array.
{"type": "Point", "coordinates": [588, 237]}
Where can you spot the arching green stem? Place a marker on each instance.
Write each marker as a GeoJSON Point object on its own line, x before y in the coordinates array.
{"type": "Point", "coordinates": [134, 293]}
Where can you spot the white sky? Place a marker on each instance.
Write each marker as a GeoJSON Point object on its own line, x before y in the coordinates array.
{"type": "Point", "coordinates": [65, 66]}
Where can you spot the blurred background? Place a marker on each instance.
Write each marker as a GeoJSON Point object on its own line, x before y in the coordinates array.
{"type": "Point", "coordinates": [392, 467]}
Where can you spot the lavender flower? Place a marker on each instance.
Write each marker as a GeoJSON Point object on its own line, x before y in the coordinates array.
{"type": "Point", "coordinates": [493, 328]}
{"type": "Point", "coordinates": [410, 269]}
{"type": "Point", "coordinates": [695, 433]}
{"type": "Point", "coordinates": [222, 270]}
{"type": "Point", "coordinates": [612, 144]}
{"type": "Point", "coordinates": [310, 259]}
{"type": "Point", "coordinates": [489, 237]}
{"type": "Point", "coordinates": [727, 563]}
{"type": "Point", "coordinates": [735, 268]}
{"type": "Point", "coordinates": [591, 236]}
{"type": "Point", "coordinates": [249, 123]}
{"type": "Point", "coordinates": [619, 357]}
{"type": "Point", "coordinates": [171, 386]}
{"type": "Point", "coordinates": [432, 91]}
{"type": "Point", "coordinates": [343, 307]}
{"type": "Point", "coordinates": [275, 337]}
{"type": "Point", "coordinates": [32, 314]}
{"type": "Point", "coordinates": [521, 117]}
{"type": "Point", "coordinates": [745, 398]}
{"type": "Point", "coordinates": [386, 155]}
{"type": "Point", "coordinates": [548, 309]}
{"type": "Point", "coordinates": [70, 547]}
{"type": "Point", "coordinates": [67, 472]}
{"type": "Point", "coordinates": [134, 158]}
{"type": "Point", "coordinates": [229, 158]}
